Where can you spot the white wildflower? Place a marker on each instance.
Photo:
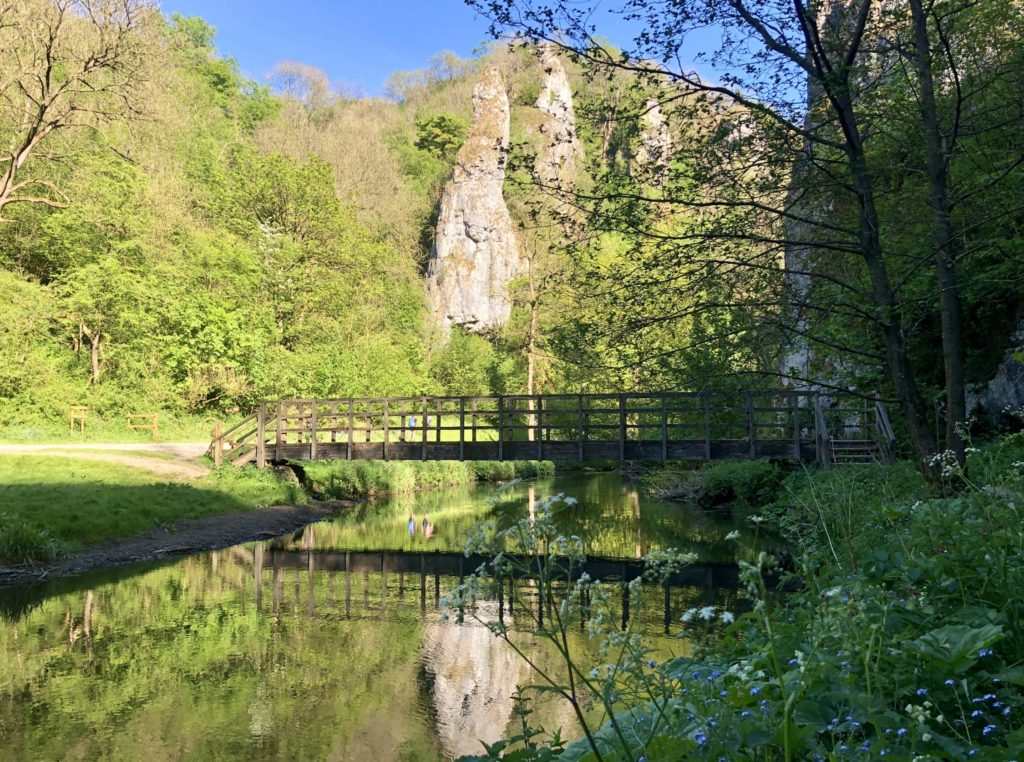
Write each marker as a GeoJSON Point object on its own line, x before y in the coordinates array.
{"type": "Point", "coordinates": [733, 535]}
{"type": "Point", "coordinates": [727, 617]}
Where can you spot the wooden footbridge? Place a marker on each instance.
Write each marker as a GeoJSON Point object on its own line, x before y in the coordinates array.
{"type": "Point", "coordinates": [791, 425]}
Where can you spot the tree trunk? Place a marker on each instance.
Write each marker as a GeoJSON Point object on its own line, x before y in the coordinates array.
{"type": "Point", "coordinates": [909, 395]}
{"type": "Point", "coordinates": [944, 238]}
{"type": "Point", "coordinates": [531, 360]}
{"type": "Point", "coordinates": [94, 337]}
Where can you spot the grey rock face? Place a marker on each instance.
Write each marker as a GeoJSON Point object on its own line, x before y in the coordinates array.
{"type": "Point", "coordinates": [475, 249]}
{"type": "Point", "coordinates": [655, 149]}
{"type": "Point", "coordinates": [556, 161]}
{"type": "Point", "coordinates": [1002, 398]}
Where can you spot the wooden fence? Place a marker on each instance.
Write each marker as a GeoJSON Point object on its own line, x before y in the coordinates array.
{"type": "Point", "coordinates": [800, 426]}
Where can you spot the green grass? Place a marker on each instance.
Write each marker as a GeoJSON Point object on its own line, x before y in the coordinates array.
{"type": "Point", "coordinates": [50, 506]}
{"type": "Point", "coordinates": [183, 429]}
{"type": "Point", "coordinates": [348, 480]}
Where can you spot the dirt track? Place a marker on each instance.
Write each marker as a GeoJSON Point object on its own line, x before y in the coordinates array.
{"type": "Point", "coordinates": [173, 460]}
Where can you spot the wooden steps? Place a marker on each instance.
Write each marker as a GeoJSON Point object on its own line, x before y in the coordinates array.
{"type": "Point", "coordinates": [855, 452]}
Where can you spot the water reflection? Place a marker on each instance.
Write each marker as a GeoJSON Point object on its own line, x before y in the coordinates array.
{"type": "Point", "coordinates": [301, 648]}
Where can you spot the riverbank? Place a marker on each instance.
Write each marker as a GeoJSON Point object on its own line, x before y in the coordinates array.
{"type": "Point", "coordinates": [54, 507]}
{"type": "Point", "coordinates": [905, 642]}
{"type": "Point", "coordinates": [183, 538]}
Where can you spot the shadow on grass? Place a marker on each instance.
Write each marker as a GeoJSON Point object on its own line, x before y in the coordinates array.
{"type": "Point", "coordinates": [40, 522]}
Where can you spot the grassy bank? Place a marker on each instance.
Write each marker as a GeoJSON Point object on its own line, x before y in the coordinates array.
{"type": "Point", "coordinates": [111, 429]}
{"type": "Point", "coordinates": [352, 480]}
{"type": "Point", "coordinates": [905, 640]}
{"type": "Point", "coordinates": [50, 506]}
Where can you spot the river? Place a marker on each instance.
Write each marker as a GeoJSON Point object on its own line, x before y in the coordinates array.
{"type": "Point", "coordinates": [269, 651]}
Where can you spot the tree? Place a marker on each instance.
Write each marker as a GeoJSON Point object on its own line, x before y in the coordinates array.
{"type": "Point", "coordinates": [747, 130]}
{"type": "Point", "coordinates": [65, 65]}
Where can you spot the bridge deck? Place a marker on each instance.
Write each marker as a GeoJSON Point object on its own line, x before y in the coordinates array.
{"type": "Point", "coordinates": [562, 427]}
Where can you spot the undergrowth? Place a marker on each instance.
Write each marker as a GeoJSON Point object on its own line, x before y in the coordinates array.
{"type": "Point", "coordinates": [349, 480]}
{"type": "Point", "coordinates": [903, 641]}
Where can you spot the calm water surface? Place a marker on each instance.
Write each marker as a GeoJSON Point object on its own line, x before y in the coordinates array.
{"type": "Point", "coordinates": [231, 655]}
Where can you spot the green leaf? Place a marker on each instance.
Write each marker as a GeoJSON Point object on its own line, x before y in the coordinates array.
{"type": "Point", "coordinates": [956, 647]}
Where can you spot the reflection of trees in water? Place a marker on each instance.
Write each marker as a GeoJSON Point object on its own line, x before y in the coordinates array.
{"type": "Point", "coordinates": [227, 652]}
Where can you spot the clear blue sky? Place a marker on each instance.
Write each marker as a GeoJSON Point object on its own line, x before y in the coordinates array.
{"type": "Point", "coordinates": [358, 43]}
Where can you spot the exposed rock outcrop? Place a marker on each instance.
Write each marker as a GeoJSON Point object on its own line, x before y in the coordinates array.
{"type": "Point", "coordinates": [654, 151]}
{"type": "Point", "coordinates": [556, 160]}
{"type": "Point", "coordinates": [475, 249]}
{"type": "Point", "coordinates": [1002, 398]}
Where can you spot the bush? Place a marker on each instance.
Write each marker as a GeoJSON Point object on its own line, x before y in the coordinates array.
{"type": "Point", "coordinates": [356, 479]}
{"type": "Point", "coordinates": [751, 483]}
{"type": "Point", "coordinates": [21, 543]}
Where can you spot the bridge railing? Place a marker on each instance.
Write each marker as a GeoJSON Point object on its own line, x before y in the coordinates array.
{"type": "Point", "coordinates": [626, 426]}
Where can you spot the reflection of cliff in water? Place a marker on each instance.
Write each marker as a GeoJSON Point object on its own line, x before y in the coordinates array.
{"type": "Point", "coordinates": [472, 676]}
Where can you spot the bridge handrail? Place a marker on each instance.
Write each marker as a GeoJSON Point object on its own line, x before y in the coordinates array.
{"type": "Point", "coordinates": [750, 423]}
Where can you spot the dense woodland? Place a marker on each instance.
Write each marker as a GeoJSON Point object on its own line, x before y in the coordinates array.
{"type": "Point", "coordinates": [177, 237]}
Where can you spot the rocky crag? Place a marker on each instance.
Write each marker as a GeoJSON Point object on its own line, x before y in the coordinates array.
{"type": "Point", "coordinates": [556, 159]}
{"type": "Point", "coordinates": [475, 252]}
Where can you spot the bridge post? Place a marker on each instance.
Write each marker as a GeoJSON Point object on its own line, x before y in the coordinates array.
{"type": "Point", "coordinates": [462, 428]}
{"type": "Point", "coordinates": [218, 443]}
{"type": "Point", "coordinates": [622, 428]}
{"type": "Point", "coordinates": [664, 428]}
{"type": "Point", "coordinates": [313, 424]}
{"type": "Point", "coordinates": [794, 408]}
{"type": "Point", "coordinates": [261, 436]}
{"type": "Point", "coordinates": [386, 422]}
{"type": "Point", "coordinates": [706, 401]}
{"type": "Point", "coordinates": [278, 433]}
{"type": "Point", "coordinates": [538, 426]}
{"type": "Point", "coordinates": [351, 424]}
{"type": "Point", "coordinates": [423, 431]}
{"type": "Point", "coordinates": [580, 425]}
{"type": "Point", "coordinates": [749, 405]}
{"type": "Point", "coordinates": [501, 427]}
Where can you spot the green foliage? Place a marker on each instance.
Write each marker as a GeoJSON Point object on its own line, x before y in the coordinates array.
{"type": "Point", "coordinates": [903, 640]}
{"type": "Point", "coordinates": [752, 484]}
{"type": "Point", "coordinates": [466, 365]}
{"type": "Point", "coordinates": [351, 480]}
{"type": "Point", "coordinates": [441, 136]}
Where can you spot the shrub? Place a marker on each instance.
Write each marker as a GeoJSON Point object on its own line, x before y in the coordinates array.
{"type": "Point", "coordinates": [21, 543]}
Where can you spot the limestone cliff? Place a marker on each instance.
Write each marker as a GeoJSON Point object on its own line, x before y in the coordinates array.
{"type": "Point", "coordinates": [475, 249]}
{"type": "Point", "coordinates": [655, 148]}
{"type": "Point", "coordinates": [556, 159]}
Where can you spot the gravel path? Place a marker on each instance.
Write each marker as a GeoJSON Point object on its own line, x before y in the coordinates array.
{"type": "Point", "coordinates": [173, 460]}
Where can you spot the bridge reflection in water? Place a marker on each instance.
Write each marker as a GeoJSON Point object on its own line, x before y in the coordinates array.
{"type": "Point", "coordinates": [397, 583]}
